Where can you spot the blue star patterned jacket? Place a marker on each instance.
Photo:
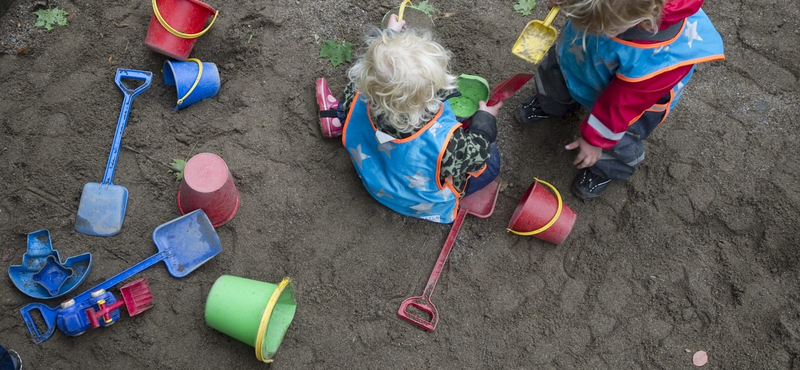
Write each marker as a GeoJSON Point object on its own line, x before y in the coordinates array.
{"type": "Point", "coordinates": [404, 174]}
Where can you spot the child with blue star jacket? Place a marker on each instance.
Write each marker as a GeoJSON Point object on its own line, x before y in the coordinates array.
{"type": "Point", "coordinates": [627, 62]}
{"type": "Point", "coordinates": [405, 142]}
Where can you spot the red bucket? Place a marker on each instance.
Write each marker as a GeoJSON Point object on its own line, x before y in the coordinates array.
{"type": "Point", "coordinates": [542, 215]}
{"type": "Point", "coordinates": [208, 185]}
{"type": "Point", "coordinates": [175, 26]}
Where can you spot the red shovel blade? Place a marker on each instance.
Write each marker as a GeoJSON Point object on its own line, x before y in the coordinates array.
{"type": "Point", "coordinates": [508, 87]}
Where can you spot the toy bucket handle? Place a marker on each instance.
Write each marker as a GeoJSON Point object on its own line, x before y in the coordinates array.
{"type": "Point", "coordinates": [263, 325]}
{"type": "Point", "coordinates": [552, 221]}
{"type": "Point", "coordinates": [403, 9]}
{"type": "Point", "coordinates": [196, 80]}
{"type": "Point", "coordinates": [179, 33]}
{"type": "Point", "coordinates": [49, 316]}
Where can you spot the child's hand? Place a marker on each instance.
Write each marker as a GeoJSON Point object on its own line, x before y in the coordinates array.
{"type": "Point", "coordinates": [552, 3]}
{"type": "Point", "coordinates": [588, 154]}
{"type": "Point", "coordinates": [395, 25]}
{"type": "Point", "coordinates": [492, 110]}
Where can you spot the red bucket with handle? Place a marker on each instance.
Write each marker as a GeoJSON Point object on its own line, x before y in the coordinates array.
{"type": "Point", "coordinates": [542, 214]}
{"type": "Point", "coordinates": [176, 24]}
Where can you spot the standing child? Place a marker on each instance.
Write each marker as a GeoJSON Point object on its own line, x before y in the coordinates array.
{"type": "Point", "coordinates": [411, 153]}
{"type": "Point", "coordinates": [627, 62]}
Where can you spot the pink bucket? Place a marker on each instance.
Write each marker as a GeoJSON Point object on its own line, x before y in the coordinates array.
{"type": "Point", "coordinates": [208, 185]}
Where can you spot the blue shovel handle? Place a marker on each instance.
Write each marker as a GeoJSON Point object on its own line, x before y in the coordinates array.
{"type": "Point", "coordinates": [49, 315]}
{"type": "Point", "coordinates": [133, 74]}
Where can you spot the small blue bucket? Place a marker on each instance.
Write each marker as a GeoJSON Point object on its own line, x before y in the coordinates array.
{"type": "Point", "coordinates": [195, 80]}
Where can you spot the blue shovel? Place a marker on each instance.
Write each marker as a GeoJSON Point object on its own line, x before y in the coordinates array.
{"type": "Point", "coordinates": [102, 206]}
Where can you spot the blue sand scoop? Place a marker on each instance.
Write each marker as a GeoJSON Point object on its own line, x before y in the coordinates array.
{"type": "Point", "coordinates": [42, 275]}
{"type": "Point", "coordinates": [102, 206]}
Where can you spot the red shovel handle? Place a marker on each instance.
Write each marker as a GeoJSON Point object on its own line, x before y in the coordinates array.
{"type": "Point", "coordinates": [423, 304]}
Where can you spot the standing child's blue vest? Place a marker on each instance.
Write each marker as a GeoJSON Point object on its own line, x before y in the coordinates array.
{"type": "Point", "coordinates": [404, 174]}
{"type": "Point", "coordinates": [589, 62]}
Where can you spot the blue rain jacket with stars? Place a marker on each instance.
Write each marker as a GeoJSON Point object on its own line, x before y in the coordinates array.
{"type": "Point", "coordinates": [589, 65]}
{"type": "Point", "coordinates": [403, 174]}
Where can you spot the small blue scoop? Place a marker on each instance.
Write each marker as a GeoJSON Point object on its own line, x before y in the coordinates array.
{"type": "Point", "coordinates": [102, 207]}
{"type": "Point", "coordinates": [42, 275]}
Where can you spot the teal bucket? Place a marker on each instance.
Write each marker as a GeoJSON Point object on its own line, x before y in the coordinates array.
{"type": "Point", "coordinates": [194, 80]}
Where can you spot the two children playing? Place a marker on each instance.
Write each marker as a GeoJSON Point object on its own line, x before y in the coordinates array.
{"type": "Point", "coordinates": [626, 61]}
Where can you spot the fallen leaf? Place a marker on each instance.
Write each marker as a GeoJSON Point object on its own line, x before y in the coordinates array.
{"type": "Point", "coordinates": [8, 254]}
{"type": "Point", "coordinates": [21, 50]}
{"type": "Point", "coordinates": [700, 358]}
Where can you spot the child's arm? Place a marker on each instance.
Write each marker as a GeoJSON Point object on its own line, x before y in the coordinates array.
{"type": "Point", "coordinates": [484, 121]}
{"type": "Point", "coordinates": [620, 105]}
{"type": "Point", "coordinates": [395, 25]}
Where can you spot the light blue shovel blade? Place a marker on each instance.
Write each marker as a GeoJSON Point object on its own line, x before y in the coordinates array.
{"type": "Point", "coordinates": [102, 209]}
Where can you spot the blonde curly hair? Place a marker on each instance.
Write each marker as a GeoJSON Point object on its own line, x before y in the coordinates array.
{"type": "Point", "coordinates": [403, 75]}
{"type": "Point", "coordinates": [612, 17]}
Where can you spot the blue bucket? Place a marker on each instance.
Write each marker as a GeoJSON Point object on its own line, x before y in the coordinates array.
{"type": "Point", "coordinates": [195, 80]}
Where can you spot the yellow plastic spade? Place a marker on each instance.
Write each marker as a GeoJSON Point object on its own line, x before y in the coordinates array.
{"type": "Point", "coordinates": [536, 38]}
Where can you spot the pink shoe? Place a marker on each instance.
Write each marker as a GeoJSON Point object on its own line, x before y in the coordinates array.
{"type": "Point", "coordinates": [328, 121]}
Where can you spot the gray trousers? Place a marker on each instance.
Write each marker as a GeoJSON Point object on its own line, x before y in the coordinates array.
{"type": "Point", "coordinates": [617, 163]}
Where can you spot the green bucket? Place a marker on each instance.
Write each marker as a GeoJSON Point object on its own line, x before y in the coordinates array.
{"type": "Point", "coordinates": [254, 312]}
{"type": "Point", "coordinates": [473, 89]}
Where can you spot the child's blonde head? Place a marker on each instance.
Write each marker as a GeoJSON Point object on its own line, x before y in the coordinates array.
{"type": "Point", "coordinates": [612, 17]}
{"type": "Point", "coordinates": [402, 75]}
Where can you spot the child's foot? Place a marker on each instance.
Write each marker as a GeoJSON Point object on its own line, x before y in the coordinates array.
{"type": "Point", "coordinates": [328, 117]}
{"type": "Point", "coordinates": [588, 185]}
{"type": "Point", "coordinates": [530, 112]}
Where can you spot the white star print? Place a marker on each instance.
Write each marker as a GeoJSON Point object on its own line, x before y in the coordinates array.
{"type": "Point", "coordinates": [386, 148]}
{"type": "Point", "coordinates": [444, 193]}
{"type": "Point", "coordinates": [435, 128]}
{"type": "Point", "coordinates": [610, 65]}
{"type": "Point", "coordinates": [382, 193]}
{"type": "Point", "coordinates": [577, 51]}
{"type": "Point", "coordinates": [660, 49]}
{"type": "Point", "coordinates": [357, 155]}
{"type": "Point", "coordinates": [417, 181]}
{"type": "Point", "coordinates": [691, 32]}
{"type": "Point", "coordinates": [423, 207]}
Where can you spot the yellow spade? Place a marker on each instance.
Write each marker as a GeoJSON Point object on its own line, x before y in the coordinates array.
{"type": "Point", "coordinates": [536, 38]}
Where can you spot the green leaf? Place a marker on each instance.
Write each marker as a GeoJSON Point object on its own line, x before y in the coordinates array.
{"type": "Point", "coordinates": [525, 7]}
{"type": "Point", "coordinates": [424, 7]}
{"type": "Point", "coordinates": [48, 17]}
{"type": "Point", "coordinates": [178, 165]}
{"type": "Point", "coordinates": [338, 52]}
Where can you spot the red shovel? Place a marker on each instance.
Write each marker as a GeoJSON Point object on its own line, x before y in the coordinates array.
{"type": "Point", "coordinates": [504, 90]}
{"type": "Point", "coordinates": [508, 87]}
{"type": "Point", "coordinates": [480, 204]}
